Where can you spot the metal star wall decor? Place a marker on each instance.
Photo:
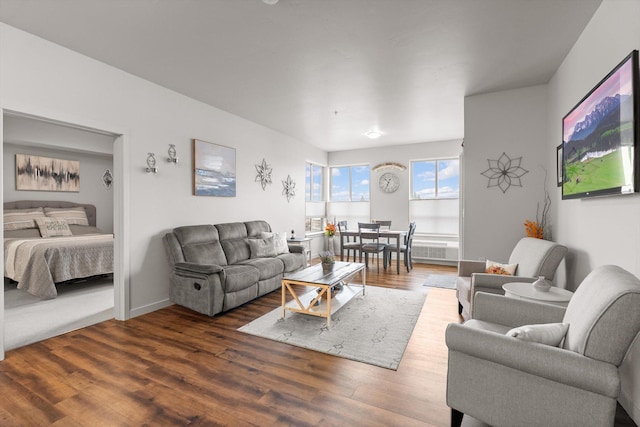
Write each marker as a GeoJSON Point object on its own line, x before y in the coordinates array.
{"type": "Point", "coordinates": [504, 172]}
{"type": "Point", "coordinates": [289, 188]}
{"type": "Point", "coordinates": [264, 174]}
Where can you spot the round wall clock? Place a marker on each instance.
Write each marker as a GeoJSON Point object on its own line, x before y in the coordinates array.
{"type": "Point", "coordinates": [389, 182]}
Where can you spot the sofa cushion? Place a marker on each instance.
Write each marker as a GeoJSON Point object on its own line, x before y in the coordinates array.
{"type": "Point", "coordinates": [268, 267]}
{"type": "Point", "coordinates": [200, 244]}
{"type": "Point", "coordinates": [292, 261]}
{"type": "Point", "coordinates": [236, 250]}
{"type": "Point", "coordinates": [238, 277]}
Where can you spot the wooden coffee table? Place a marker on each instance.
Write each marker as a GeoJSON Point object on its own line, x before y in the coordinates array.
{"type": "Point", "coordinates": [319, 302]}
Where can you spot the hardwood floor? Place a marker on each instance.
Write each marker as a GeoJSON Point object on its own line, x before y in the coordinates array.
{"type": "Point", "coordinates": [177, 367]}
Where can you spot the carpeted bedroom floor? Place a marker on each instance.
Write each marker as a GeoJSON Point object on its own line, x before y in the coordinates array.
{"type": "Point", "coordinates": [28, 319]}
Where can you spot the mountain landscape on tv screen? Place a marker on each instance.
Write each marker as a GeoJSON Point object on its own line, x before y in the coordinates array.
{"type": "Point", "coordinates": [593, 154]}
{"type": "Point", "coordinates": [607, 127]}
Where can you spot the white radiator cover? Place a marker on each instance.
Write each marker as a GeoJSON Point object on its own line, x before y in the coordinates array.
{"type": "Point", "coordinates": [441, 251]}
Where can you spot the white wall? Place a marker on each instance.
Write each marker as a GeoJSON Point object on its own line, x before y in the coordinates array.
{"type": "Point", "coordinates": [513, 122]}
{"type": "Point", "coordinates": [40, 78]}
{"type": "Point", "coordinates": [395, 206]}
{"type": "Point", "coordinates": [93, 151]}
{"type": "Point", "coordinates": [602, 230]}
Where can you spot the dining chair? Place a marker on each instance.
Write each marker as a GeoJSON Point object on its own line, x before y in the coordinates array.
{"type": "Point", "coordinates": [370, 243]}
{"type": "Point", "coordinates": [405, 248]}
{"type": "Point", "coordinates": [385, 225]}
{"type": "Point", "coordinates": [348, 245]}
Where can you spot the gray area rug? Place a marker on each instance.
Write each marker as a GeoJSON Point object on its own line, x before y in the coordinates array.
{"type": "Point", "coordinates": [374, 329]}
{"type": "Point", "coordinates": [440, 281]}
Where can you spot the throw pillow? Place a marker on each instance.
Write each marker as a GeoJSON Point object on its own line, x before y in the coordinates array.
{"type": "Point", "coordinates": [77, 215]}
{"type": "Point", "coordinates": [21, 219]}
{"type": "Point", "coordinates": [549, 333]}
{"type": "Point", "coordinates": [497, 268]}
{"type": "Point", "coordinates": [262, 248]}
{"type": "Point", "coordinates": [279, 241]}
{"type": "Point", "coordinates": [51, 227]}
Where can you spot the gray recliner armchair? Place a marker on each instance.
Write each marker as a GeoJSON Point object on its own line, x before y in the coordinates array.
{"type": "Point", "coordinates": [505, 381]}
{"type": "Point", "coordinates": [534, 257]}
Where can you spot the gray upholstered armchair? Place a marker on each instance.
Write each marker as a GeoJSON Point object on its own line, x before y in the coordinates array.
{"type": "Point", "coordinates": [534, 257]}
{"type": "Point", "coordinates": [506, 381]}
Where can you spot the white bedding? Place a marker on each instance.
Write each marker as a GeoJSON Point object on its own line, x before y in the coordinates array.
{"type": "Point", "coordinates": [37, 263]}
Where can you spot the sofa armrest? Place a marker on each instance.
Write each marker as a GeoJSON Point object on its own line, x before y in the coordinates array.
{"type": "Point", "coordinates": [513, 312]}
{"type": "Point", "coordinates": [296, 249]}
{"type": "Point", "coordinates": [551, 363]}
{"type": "Point", "coordinates": [467, 267]}
{"type": "Point", "coordinates": [494, 282]}
{"type": "Point", "coordinates": [190, 268]}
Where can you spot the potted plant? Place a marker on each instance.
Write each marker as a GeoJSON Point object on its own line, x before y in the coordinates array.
{"type": "Point", "coordinates": [328, 260]}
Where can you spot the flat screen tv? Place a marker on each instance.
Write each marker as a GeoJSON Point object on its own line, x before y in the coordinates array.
{"type": "Point", "coordinates": [600, 137]}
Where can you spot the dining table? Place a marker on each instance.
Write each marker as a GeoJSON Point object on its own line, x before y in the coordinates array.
{"type": "Point", "coordinates": [397, 235]}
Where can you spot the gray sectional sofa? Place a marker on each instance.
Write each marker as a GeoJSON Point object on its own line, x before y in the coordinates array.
{"type": "Point", "coordinates": [215, 268]}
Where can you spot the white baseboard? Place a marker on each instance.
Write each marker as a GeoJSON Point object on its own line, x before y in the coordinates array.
{"type": "Point", "coordinates": [629, 406]}
{"type": "Point", "coordinates": [135, 312]}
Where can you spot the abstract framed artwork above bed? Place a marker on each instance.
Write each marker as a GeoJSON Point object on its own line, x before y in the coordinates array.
{"type": "Point", "coordinates": [49, 242]}
{"type": "Point", "coordinates": [35, 173]}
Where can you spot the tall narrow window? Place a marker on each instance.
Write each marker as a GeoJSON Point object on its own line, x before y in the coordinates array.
{"type": "Point", "coordinates": [315, 209]}
{"type": "Point", "coordinates": [313, 182]}
{"type": "Point", "coordinates": [435, 189]}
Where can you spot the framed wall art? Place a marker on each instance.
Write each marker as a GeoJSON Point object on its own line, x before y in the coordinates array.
{"type": "Point", "coordinates": [36, 173]}
{"type": "Point", "coordinates": [214, 169]}
{"type": "Point", "coordinates": [559, 165]}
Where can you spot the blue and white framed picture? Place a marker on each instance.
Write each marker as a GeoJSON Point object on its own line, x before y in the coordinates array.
{"type": "Point", "coordinates": [214, 169]}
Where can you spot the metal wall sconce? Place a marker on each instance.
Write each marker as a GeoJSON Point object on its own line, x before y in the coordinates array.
{"type": "Point", "coordinates": [173, 155]}
{"type": "Point", "coordinates": [151, 163]}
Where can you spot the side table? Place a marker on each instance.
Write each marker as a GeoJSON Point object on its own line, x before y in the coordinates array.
{"type": "Point", "coordinates": [304, 241]}
{"type": "Point", "coordinates": [526, 291]}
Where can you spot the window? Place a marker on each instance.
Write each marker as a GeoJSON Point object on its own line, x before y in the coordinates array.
{"type": "Point", "coordinates": [435, 190]}
{"type": "Point", "coordinates": [435, 179]}
{"type": "Point", "coordinates": [350, 184]}
{"type": "Point", "coordinates": [314, 197]}
{"type": "Point", "coordinates": [313, 182]}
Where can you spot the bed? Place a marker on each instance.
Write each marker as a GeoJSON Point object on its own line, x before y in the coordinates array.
{"type": "Point", "coordinates": [49, 242]}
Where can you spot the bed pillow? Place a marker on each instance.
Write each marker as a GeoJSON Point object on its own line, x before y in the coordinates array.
{"type": "Point", "coordinates": [78, 230]}
{"type": "Point", "coordinates": [549, 333]}
{"type": "Point", "coordinates": [262, 248]}
{"type": "Point", "coordinates": [52, 227]}
{"type": "Point", "coordinates": [21, 219]}
{"type": "Point", "coordinates": [77, 215]}
{"type": "Point", "coordinates": [497, 268]}
{"type": "Point", "coordinates": [279, 241]}
{"type": "Point", "coordinates": [22, 234]}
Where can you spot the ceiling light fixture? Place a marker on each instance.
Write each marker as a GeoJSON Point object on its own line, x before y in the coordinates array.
{"type": "Point", "coordinates": [373, 134]}
{"type": "Point", "coordinates": [270, 2]}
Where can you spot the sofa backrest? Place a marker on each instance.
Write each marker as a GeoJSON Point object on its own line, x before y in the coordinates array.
{"type": "Point", "coordinates": [254, 228]}
{"type": "Point", "coordinates": [233, 238]}
{"type": "Point", "coordinates": [200, 244]}
{"type": "Point", "coordinates": [537, 257]}
{"type": "Point", "coordinates": [604, 314]}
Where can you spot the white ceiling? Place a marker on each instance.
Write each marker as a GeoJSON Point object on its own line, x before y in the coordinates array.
{"type": "Point", "coordinates": [323, 71]}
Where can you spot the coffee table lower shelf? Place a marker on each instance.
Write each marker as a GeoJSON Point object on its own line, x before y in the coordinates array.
{"type": "Point", "coordinates": [319, 302]}
{"type": "Point", "coordinates": [306, 303]}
